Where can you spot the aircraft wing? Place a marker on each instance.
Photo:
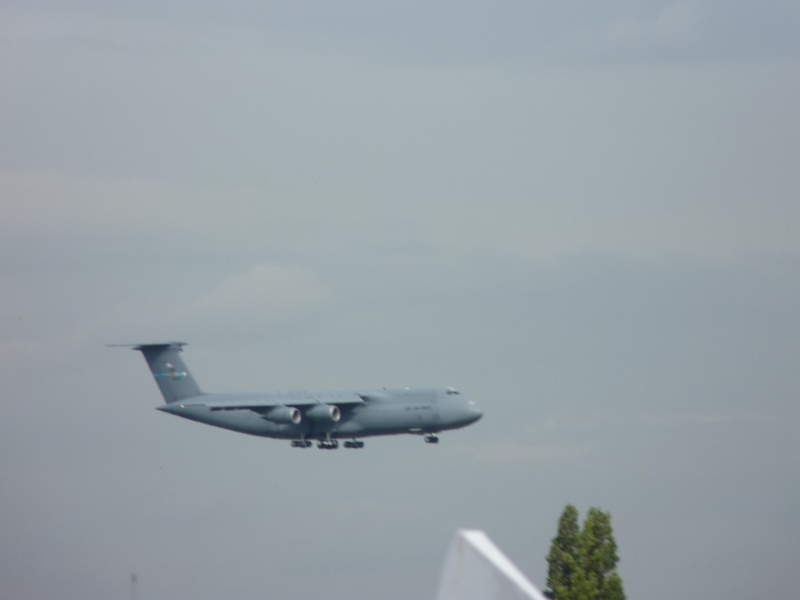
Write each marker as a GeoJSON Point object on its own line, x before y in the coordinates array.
{"type": "Point", "coordinates": [262, 403]}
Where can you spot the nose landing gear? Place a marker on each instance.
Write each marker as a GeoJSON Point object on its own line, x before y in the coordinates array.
{"type": "Point", "coordinates": [431, 438]}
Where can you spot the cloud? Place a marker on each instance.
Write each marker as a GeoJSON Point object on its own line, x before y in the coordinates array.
{"type": "Point", "coordinates": [266, 294]}
{"type": "Point", "coordinates": [676, 27]}
{"type": "Point", "coordinates": [672, 33]}
{"type": "Point", "coordinates": [247, 304]}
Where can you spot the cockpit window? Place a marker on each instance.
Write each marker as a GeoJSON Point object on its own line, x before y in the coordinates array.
{"type": "Point", "coordinates": [452, 392]}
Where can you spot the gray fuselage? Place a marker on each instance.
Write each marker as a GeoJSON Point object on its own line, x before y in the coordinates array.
{"type": "Point", "coordinates": [381, 412]}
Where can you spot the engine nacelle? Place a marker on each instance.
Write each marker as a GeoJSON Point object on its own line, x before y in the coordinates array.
{"type": "Point", "coordinates": [324, 412]}
{"type": "Point", "coordinates": [284, 415]}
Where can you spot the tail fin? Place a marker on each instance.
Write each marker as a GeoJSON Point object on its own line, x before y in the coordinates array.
{"type": "Point", "coordinates": [169, 370]}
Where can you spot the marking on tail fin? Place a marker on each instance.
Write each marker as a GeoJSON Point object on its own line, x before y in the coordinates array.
{"type": "Point", "coordinates": [171, 372]}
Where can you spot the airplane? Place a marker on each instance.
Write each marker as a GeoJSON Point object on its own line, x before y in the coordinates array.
{"type": "Point", "coordinates": [301, 417]}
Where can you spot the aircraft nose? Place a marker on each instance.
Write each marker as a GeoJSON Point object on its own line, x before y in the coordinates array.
{"type": "Point", "coordinates": [473, 412]}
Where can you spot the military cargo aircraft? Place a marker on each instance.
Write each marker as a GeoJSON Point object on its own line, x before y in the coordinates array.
{"type": "Point", "coordinates": [304, 417]}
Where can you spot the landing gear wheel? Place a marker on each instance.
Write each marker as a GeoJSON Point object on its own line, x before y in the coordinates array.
{"type": "Point", "coordinates": [431, 438]}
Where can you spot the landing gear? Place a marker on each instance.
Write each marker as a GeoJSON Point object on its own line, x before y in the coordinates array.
{"type": "Point", "coordinates": [431, 438]}
{"type": "Point", "coordinates": [327, 444]}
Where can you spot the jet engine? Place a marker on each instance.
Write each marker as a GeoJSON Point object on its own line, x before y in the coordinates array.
{"type": "Point", "coordinates": [324, 412]}
{"type": "Point", "coordinates": [284, 415]}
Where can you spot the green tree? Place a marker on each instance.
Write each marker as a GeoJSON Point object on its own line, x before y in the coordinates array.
{"type": "Point", "coordinates": [582, 563]}
{"type": "Point", "coordinates": [563, 556]}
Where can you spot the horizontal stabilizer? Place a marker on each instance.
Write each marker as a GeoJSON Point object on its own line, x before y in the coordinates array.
{"type": "Point", "coordinates": [149, 345]}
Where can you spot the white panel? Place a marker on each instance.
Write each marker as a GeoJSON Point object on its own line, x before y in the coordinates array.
{"type": "Point", "coordinates": [476, 569]}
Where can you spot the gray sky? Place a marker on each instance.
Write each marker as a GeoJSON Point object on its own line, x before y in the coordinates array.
{"type": "Point", "coordinates": [584, 215]}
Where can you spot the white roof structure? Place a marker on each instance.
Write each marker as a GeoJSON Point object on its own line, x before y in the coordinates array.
{"type": "Point", "coordinates": [476, 569]}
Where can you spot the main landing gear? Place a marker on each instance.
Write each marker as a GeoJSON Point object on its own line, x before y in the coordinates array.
{"type": "Point", "coordinates": [334, 444]}
{"type": "Point", "coordinates": [327, 444]}
{"type": "Point", "coordinates": [431, 438]}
